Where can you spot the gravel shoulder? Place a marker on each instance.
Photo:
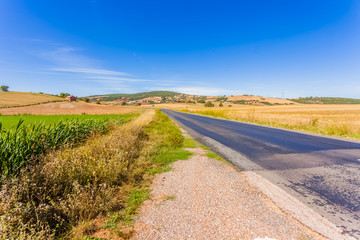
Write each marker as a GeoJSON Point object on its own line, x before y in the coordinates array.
{"type": "Point", "coordinates": [204, 198]}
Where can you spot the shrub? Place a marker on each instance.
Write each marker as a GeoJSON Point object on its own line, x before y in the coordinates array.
{"type": "Point", "coordinates": [209, 104]}
{"type": "Point", "coordinates": [221, 104]}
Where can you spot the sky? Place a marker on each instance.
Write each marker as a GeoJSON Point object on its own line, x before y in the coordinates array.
{"type": "Point", "coordinates": [276, 48]}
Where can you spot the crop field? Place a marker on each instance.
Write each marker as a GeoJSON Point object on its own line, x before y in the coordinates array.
{"type": "Point", "coordinates": [9, 122]}
{"type": "Point", "coordinates": [69, 108]}
{"type": "Point", "coordinates": [10, 99]}
{"type": "Point", "coordinates": [24, 138]}
{"type": "Point", "coordinates": [341, 120]}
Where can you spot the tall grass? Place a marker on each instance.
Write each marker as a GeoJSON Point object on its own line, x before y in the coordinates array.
{"type": "Point", "coordinates": [26, 142]}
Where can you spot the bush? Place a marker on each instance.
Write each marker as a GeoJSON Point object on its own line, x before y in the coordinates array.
{"type": "Point", "coordinates": [209, 104]}
{"type": "Point", "coordinates": [221, 104]}
{"type": "Point", "coordinates": [98, 102]}
{"type": "Point", "coordinates": [201, 101]}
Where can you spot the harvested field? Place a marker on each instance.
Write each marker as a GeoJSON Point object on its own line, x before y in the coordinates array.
{"type": "Point", "coordinates": [69, 108]}
{"type": "Point", "coordinates": [335, 120]}
{"type": "Point", "coordinates": [249, 98]}
{"type": "Point", "coordinates": [10, 99]}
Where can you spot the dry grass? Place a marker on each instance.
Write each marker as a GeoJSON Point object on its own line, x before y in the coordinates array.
{"type": "Point", "coordinates": [9, 99]}
{"type": "Point", "coordinates": [68, 108]}
{"type": "Point", "coordinates": [334, 120]}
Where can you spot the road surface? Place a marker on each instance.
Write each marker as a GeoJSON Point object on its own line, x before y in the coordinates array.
{"type": "Point", "coordinates": [321, 172]}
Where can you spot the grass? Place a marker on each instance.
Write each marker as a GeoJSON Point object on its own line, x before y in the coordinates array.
{"type": "Point", "coordinates": [331, 120]}
{"type": "Point", "coordinates": [217, 157]}
{"type": "Point", "coordinates": [10, 99]}
{"type": "Point", "coordinates": [10, 122]}
{"type": "Point", "coordinates": [67, 193]}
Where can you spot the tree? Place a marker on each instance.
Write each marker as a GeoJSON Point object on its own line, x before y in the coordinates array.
{"type": "Point", "coordinates": [86, 99]}
{"type": "Point", "coordinates": [64, 94]}
{"type": "Point", "coordinates": [209, 104]}
{"type": "Point", "coordinates": [201, 101]}
{"type": "Point", "coordinates": [221, 104]}
{"type": "Point", "coordinates": [4, 88]}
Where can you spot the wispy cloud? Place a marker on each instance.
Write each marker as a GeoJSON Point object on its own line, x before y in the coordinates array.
{"type": "Point", "coordinates": [105, 79]}
{"type": "Point", "coordinates": [90, 71]}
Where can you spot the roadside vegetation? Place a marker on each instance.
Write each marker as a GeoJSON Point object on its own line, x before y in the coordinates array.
{"type": "Point", "coordinates": [325, 120]}
{"type": "Point", "coordinates": [92, 190]}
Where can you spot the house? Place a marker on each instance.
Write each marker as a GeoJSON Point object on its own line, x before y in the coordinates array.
{"type": "Point", "coordinates": [70, 98]}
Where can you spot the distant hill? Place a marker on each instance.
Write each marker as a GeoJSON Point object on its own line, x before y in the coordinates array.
{"type": "Point", "coordinates": [14, 99]}
{"type": "Point", "coordinates": [135, 96]}
{"type": "Point", "coordinates": [326, 100]}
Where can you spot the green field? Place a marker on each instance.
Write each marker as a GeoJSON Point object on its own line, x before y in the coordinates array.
{"type": "Point", "coordinates": [9, 122]}
{"type": "Point", "coordinates": [29, 137]}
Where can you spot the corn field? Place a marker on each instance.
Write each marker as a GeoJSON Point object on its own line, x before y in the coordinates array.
{"type": "Point", "coordinates": [24, 143]}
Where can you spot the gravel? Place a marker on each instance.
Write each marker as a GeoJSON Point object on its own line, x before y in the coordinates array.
{"type": "Point", "coordinates": [203, 198]}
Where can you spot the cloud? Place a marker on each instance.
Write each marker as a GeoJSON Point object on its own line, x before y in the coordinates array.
{"type": "Point", "coordinates": [104, 79]}
{"type": "Point", "coordinates": [66, 56]}
{"type": "Point", "coordinates": [90, 71]}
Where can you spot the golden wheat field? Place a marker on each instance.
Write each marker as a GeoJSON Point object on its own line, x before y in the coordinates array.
{"type": "Point", "coordinates": [11, 99]}
{"type": "Point", "coordinates": [333, 120]}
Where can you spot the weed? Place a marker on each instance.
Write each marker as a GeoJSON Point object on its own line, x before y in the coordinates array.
{"type": "Point", "coordinates": [190, 143]}
{"type": "Point", "coordinates": [172, 197]}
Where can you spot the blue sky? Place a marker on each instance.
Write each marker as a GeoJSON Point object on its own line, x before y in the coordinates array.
{"type": "Point", "coordinates": [277, 48]}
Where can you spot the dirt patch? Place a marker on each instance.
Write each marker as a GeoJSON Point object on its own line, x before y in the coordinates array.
{"type": "Point", "coordinates": [68, 108]}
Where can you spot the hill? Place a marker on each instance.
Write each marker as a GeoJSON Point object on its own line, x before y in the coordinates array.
{"type": "Point", "coordinates": [252, 100]}
{"type": "Point", "coordinates": [14, 99]}
{"type": "Point", "coordinates": [326, 100]}
{"type": "Point", "coordinates": [134, 96]}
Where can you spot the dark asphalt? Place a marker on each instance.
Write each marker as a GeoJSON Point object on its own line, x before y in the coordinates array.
{"type": "Point", "coordinates": [323, 173]}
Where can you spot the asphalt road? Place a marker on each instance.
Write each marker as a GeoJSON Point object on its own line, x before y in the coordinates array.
{"type": "Point", "coordinates": [321, 172]}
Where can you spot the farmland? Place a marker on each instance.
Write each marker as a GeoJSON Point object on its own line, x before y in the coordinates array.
{"type": "Point", "coordinates": [12, 99]}
{"type": "Point", "coordinates": [9, 122]}
{"type": "Point", "coordinates": [332, 120]}
{"type": "Point", "coordinates": [68, 108]}
{"type": "Point", "coordinates": [24, 138]}
{"type": "Point", "coordinates": [95, 185]}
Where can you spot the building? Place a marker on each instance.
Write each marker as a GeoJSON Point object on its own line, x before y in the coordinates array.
{"type": "Point", "coordinates": [70, 98]}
